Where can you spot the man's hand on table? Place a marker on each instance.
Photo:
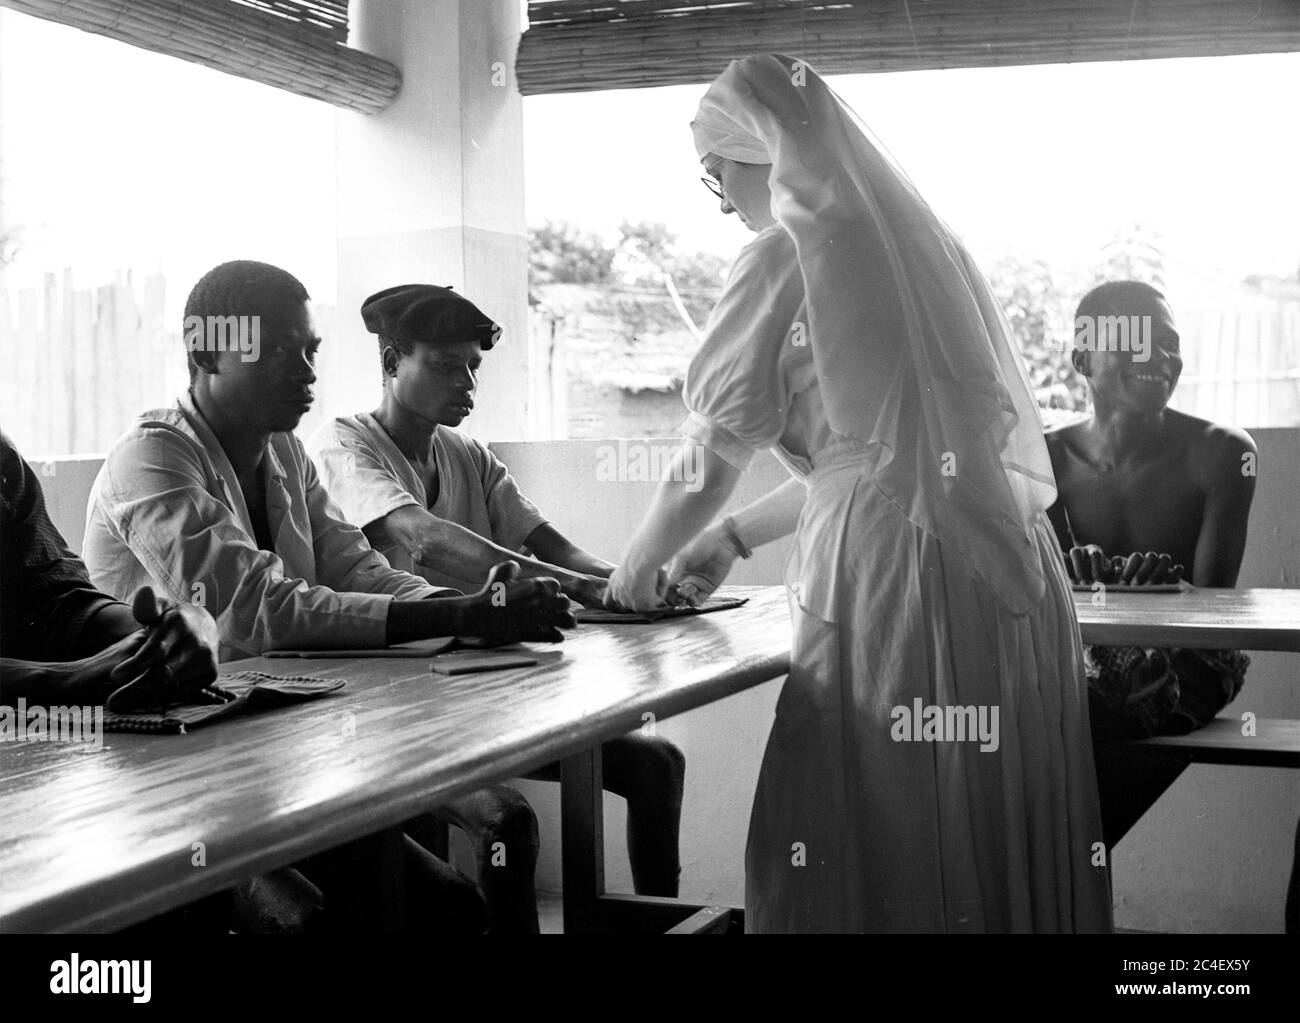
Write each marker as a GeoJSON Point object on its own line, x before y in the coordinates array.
{"type": "Point", "coordinates": [512, 610]}
{"type": "Point", "coordinates": [1089, 564]}
{"type": "Point", "coordinates": [587, 590]}
{"type": "Point", "coordinates": [176, 650]}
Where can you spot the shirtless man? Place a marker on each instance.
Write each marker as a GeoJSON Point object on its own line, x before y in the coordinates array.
{"type": "Point", "coordinates": [1147, 495]}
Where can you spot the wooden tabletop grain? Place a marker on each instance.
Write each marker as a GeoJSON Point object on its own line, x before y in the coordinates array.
{"type": "Point", "coordinates": [99, 839]}
{"type": "Point", "coordinates": [1252, 619]}
{"type": "Point", "coordinates": [96, 840]}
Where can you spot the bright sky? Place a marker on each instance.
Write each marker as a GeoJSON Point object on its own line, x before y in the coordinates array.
{"type": "Point", "coordinates": [97, 170]}
{"type": "Point", "coordinates": [1049, 160]}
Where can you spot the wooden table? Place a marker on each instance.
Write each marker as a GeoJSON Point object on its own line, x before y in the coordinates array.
{"type": "Point", "coordinates": [1251, 619]}
{"type": "Point", "coordinates": [98, 840]}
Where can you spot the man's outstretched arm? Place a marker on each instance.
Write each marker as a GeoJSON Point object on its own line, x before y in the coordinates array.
{"type": "Point", "coordinates": [554, 548]}
{"type": "Point", "coordinates": [461, 553]}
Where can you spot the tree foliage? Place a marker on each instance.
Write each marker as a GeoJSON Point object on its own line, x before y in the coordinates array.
{"type": "Point", "coordinates": [561, 253]}
{"type": "Point", "coordinates": [1038, 299]}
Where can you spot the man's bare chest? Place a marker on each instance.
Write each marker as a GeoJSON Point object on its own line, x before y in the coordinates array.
{"type": "Point", "coordinates": [1122, 509]}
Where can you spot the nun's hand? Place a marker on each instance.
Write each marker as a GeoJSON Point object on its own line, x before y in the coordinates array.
{"type": "Point", "coordinates": [636, 588]}
{"type": "Point", "coordinates": [701, 566]}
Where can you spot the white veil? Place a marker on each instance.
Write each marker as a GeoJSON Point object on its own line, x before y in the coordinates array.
{"type": "Point", "coordinates": [913, 354]}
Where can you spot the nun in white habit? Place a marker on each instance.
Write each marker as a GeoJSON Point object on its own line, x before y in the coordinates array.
{"type": "Point", "coordinates": [930, 767]}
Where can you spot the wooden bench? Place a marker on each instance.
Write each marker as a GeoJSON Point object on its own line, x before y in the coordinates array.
{"type": "Point", "coordinates": [1134, 774]}
{"type": "Point", "coordinates": [1276, 743]}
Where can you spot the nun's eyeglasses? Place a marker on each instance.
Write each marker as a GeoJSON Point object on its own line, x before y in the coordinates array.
{"type": "Point", "coordinates": [713, 186]}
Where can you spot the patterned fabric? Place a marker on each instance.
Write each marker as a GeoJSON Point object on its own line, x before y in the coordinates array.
{"type": "Point", "coordinates": [138, 708]}
{"type": "Point", "coordinates": [1134, 692]}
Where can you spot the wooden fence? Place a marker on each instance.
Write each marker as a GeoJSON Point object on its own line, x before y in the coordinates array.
{"type": "Point", "coordinates": [1241, 359]}
{"type": "Point", "coordinates": [78, 365]}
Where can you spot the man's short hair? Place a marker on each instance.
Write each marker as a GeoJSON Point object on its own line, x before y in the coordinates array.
{"type": "Point", "coordinates": [1108, 299]}
{"type": "Point", "coordinates": [242, 287]}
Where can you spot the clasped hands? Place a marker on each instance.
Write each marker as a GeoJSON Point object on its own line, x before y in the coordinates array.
{"type": "Point", "coordinates": [175, 650]}
{"type": "Point", "coordinates": [1089, 564]}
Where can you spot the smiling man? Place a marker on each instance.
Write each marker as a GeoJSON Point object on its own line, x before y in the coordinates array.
{"type": "Point", "coordinates": [1147, 495]}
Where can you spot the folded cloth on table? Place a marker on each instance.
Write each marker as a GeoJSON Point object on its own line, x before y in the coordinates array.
{"type": "Point", "coordinates": [137, 707]}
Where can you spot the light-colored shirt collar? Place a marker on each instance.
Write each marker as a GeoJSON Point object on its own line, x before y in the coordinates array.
{"type": "Point", "coordinates": [202, 432]}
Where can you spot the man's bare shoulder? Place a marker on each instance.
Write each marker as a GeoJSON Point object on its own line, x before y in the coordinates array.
{"type": "Point", "coordinates": [1208, 438]}
{"type": "Point", "coordinates": [1214, 447]}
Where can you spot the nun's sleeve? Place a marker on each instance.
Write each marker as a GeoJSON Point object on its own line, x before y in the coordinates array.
{"type": "Point", "coordinates": [734, 392]}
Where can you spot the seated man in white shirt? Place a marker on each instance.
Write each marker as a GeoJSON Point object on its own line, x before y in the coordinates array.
{"type": "Point", "coordinates": [215, 502]}
{"type": "Point", "coordinates": [441, 504]}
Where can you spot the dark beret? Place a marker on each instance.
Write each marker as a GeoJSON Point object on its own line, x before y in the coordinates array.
{"type": "Point", "coordinates": [427, 314]}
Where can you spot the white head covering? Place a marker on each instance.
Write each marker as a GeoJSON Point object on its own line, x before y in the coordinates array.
{"type": "Point", "coordinates": [912, 352]}
{"type": "Point", "coordinates": [715, 132]}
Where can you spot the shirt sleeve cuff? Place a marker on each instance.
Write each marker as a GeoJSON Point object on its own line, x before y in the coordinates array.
{"type": "Point", "coordinates": [721, 441]}
{"type": "Point", "coordinates": [522, 530]}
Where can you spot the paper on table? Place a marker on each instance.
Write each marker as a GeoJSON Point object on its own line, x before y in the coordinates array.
{"type": "Point", "coordinates": [599, 616]}
{"type": "Point", "coordinates": [417, 648]}
{"type": "Point", "coordinates": [465, 662]}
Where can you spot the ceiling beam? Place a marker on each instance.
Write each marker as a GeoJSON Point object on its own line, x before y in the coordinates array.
{"type": "Point", "coordinates": [240, 40]}
{"type": "Point", "coordinates": [583, 47]}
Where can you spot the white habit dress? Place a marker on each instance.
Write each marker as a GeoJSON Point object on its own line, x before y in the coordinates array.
{"type": "Point", "coordinates": [853, 830]}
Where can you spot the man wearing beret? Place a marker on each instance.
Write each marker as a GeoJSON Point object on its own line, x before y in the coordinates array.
{"type": "Point", "coordinates": [215, 502]}
{"type": "Point", "coordinates": [441, 504]}
{"type": "Point", "coordinates": [431, 500]}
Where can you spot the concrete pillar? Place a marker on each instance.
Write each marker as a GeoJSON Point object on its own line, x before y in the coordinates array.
{"type": "Point", "coordinates": [432, 190]}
